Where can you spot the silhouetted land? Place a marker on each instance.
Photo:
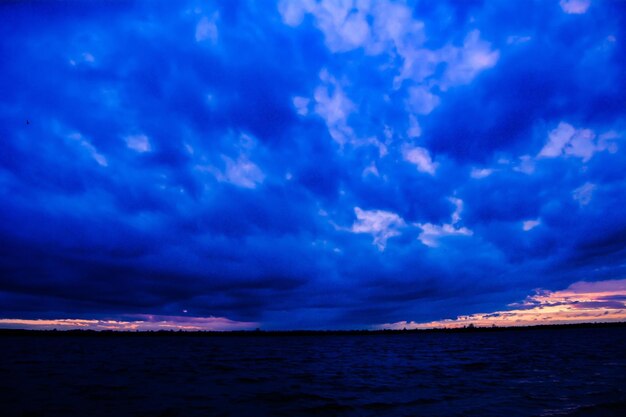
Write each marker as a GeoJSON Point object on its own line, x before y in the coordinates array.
{"type": "Point", "coordinates": [282, 333]}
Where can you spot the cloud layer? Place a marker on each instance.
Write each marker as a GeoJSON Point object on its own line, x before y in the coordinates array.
{"type": "Point", "coordinates": [310, 164]}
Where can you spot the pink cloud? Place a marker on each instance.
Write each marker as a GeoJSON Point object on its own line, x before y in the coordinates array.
{"type": "Point", "coordinates": [581, 302]}
{"type": "Point", "coordinates": [141, 322]}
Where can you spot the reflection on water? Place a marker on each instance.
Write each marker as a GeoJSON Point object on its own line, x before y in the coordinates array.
{"type": "Point", "coordinates": [560, 372]}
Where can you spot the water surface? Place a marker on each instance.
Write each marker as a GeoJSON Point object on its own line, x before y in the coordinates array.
{"type": "Point", "coordinates": [557, 372]}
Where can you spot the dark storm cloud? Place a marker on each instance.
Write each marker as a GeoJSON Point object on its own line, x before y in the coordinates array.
{"type": "Point", "coordinates": [306, 164]}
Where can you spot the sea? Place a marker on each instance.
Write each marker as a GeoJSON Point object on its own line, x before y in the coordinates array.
{"type": "Point", "coordinates": [526, 372]}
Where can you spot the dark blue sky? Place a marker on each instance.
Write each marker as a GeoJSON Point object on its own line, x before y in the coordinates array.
{"type": "Point", "coordinates": [306, 164]}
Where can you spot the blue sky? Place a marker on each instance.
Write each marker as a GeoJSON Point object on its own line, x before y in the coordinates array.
{"type": "Point", "coordinates": [308, 164]}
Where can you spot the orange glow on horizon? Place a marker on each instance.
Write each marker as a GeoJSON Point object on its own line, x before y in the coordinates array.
{"type": "Point", "coordinates": [142, 323]}
{"type": "Point", "coordinates": [581, 302]}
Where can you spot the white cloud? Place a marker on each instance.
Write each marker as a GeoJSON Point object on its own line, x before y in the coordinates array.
{"type": "Point", "coordinates": [393, 26]}
{"type": "Point", "coordinates": [347, 25]}
{"type": "Point", "coordinates": [420, 157]}
{"type": "Point", "coordinates": [582, 144]}
{"type": "Point", "coordinates": [414, 130]}
{"type": "Point", "coordinates": [139, 143]}
{"type": "Point", "coordinates": [530, 224]}
{"type": "Point", "coordinates": [389, 27]}
{"type": "Point", "coordinates": [606, 141]}
{"type": "Point", "coordinates": [422, 101]}
{"type": "Point", "coordinates": [371, 170]}
{"type": "Point", "coordinates": [517, 39]}
{"type": "Point", "coordinates": [458, 208]}
{"type": "Point", "coordinates": [372, 141]}
{"type": "Point", "coordinates": [465, 63]}
{"type": "Point", "coordinates": [86, 58]}
{"type": "Point", "coordinates": [332, 105]}
{"type": "Point", "coordinates": [293, 12]}
{"type": "Point", "coordinates": [418, 64]}
{"type": "Point", "coordinates": [526, 165]}
{"type": "Point", "coordinates": [584, 193]}
{"type": "Point", "coordinates": [302, 105]}
{"type": "Point", "coordinates": [379, 223]}
{"type": "Point", "coordinates": [93, 152]}
{"type": "Point", "coordinates": [242, 172]}
{"type": "Point", "coordinates": [238, 169]}
{"type": "Point", "coordinates": [344, 26]}
{"type": "Point", "coordinates": [575, 6]}
{"type": "Point", "coordinates": [206, 29]}
{"type": "Point", "coordinates": [432, 233]}
{"type": "Point", "coordinates": [565, 139]}
{"type": "Point", "coordinates": [478, 173]}
{"type": "Point", "coordinates": [557, 139]}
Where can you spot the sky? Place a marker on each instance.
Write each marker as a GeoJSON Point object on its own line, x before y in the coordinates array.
{"type": "Point", "coordinates": [311, 164]}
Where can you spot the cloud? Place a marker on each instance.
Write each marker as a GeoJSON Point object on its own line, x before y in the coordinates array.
{"type": "Point", "coordinates": [348, 25]}
{"type": "Point", "coordinates": [206, 29]}
{"type": "Point", "coordinates": [575, 6]}
{"type": "Point", "coordinates": [518, 39]}
{"type": "Point", "coordinates": [302, 105]}
{"type": "Point", "coordinates": [381, 224]}
{"type": "Point", "coordinates": [420, 157]}
{"type": "Point", "coordinates": [89, 148]}
{"type": "Point", "coordinates": [371, 169]}
{"type": "Point", "coordinates": [530, 224]}
{"type": "Point", "coordinates": [85, 58]}
{"type": "Point", "coordinates": [582, 143]}
{"type": "Point", "coordinates": [584, 193]}
{"type": "Point", "coordinates": [422, 101]}
{"type": "Point", "coordinates": [526, 165]}
{"type": "Point", "coordinates": [235, 165]}
{"type": "Point", "coordinates": [140, 322]}
{"type": "Point", "coordinates": [557, 139]}
{"type": "Point", "coordinates": [478, 173]}
{"type": "Point", "coordinates": [581, 302]}
{"type": "Point", "coordinates": [386, 27]}
{"type": "Point", "coordinates": [414, 130]}
{"type": "Point", "coordinates": [240, 172]}
{"type": "Point", "coordinates": [344, 27]}
{"type": "Point", "coordinates": [566, 140]}
{"type": "Point", "coordinates": [220, 214]}
{"type": "Point", "coordinates": [462, 63]}
{"type": "Point", "coordinates": [465, 63]}
{"type": "Point", "coordinates": [292, 12]}
{"type": "Point", "coordinates": [139, 143]}
{"type": "Point", "coordinates": [332, 105]}
{"type": "Point", "coordinates": [432, 234]}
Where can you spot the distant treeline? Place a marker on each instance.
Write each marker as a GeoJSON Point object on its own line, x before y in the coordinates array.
{"type": "Point", "coordinates": [288, 333]}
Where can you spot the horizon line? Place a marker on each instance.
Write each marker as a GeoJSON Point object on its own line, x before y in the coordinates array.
{"type": "Point", "coordinates": [468, 328]}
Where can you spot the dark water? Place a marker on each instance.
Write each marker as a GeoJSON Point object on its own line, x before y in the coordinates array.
{"type": "Point", "coordinates": [563, 372]}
